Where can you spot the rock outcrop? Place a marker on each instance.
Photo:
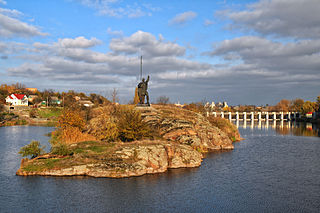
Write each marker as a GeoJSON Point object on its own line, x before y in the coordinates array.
{"type": "Point", "coordinates": [186, 127]}
{"type": "Point", "coordinates": [138, 158]}
{"type": "Point", "coordinates": [183, 137]}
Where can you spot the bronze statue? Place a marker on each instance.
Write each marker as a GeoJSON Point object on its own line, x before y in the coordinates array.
{"type": "Point", "coordinates": [142, 91]}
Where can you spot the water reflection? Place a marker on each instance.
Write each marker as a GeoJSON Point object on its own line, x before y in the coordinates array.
{"type": "Point", "coordinates": [283, 127]}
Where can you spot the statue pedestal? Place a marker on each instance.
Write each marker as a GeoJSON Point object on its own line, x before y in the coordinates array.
{"type": "Point", "coordinates": [143, 105]}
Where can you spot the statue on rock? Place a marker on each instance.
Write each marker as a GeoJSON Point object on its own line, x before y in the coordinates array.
{"type": "Point", "coordinates": [142, 91]}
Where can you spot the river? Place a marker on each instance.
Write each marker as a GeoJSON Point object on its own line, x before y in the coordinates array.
{"type": "Point", "coordinates": [272, 170]}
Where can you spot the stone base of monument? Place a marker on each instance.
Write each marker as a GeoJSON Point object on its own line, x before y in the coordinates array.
{"type": "Point", "coordinates": [143, 105]}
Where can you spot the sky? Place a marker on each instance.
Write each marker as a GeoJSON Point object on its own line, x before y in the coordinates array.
{"type": "Point", "coordinates": [239, 51]}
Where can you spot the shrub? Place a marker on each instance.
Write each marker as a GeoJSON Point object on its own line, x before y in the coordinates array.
{"type": "Point", "coordinates": [33, 113]}
{"type": "Point", "coordinates": [70, 135]}
{"type": "Point", "coordinates": [33, 149]}
{"type": "Point", "coordinates": [104, 127]}
{"type": "Point", "coordinates": [71, 118]}
{"type": "Point", "coordinates": [61, 149]}
{"type": "Point", "coordinates": [74, 135]}
{"type": "Point", "coordinates": [21, 122]}
{"type": "Point", "coordinates": [70, 128]}
{"type": "Point", "coordinates": [130, 124]}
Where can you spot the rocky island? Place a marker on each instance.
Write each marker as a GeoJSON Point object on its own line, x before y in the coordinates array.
{"type": "Point", "coordinates": [171, 137]}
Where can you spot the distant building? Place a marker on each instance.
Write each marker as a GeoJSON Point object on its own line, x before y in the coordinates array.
{"type": "Point", "coordinates": [17, 100]}
{"type": "Point", "coordinates": [309, 114]}
{"type": "Point", "coordinates": [55, 100]}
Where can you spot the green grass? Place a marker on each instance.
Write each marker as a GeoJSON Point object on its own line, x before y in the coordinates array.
{"type": "Point", "coordinates": [49, 113]}
{"type": "Point", "coordinates": [98, 148]}
{"type": "Point", "coordinates": [93, 146]}
{"type": "Point", "coordinates": [89, 150]}
{"type": "Point", "coordinates": [41, 165]}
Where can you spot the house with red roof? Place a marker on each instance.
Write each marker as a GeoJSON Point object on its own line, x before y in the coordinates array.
{"type": "Point", "coordinates": [17, 100]}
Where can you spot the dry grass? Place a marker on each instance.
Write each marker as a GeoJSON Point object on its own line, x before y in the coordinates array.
{"type": "Point", "coordinates": [226, 126]}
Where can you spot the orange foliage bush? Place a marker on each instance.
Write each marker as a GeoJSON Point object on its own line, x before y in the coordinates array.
{"type": "Point", "coordinates": [71, 118]}
{"type": "Point", "coordinates": [70, 127]}
{"type": "Point", "coordinates": [74, 135]}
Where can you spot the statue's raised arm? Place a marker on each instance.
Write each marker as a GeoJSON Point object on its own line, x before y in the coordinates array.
{"type": "Point", "coordinates": [148, 79]}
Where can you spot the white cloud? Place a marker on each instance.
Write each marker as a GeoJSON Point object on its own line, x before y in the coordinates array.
{"type": "Point", "coordinates": [3, 2]}
{"type": "Point", "coordinates": [116, 8]}
{"type": "Point", "coordinates": [208, 22]}
{"type": "Point", "coordinates": [8, 48]}
{"type": "Point", "coordinates": [8, 12]}
{"type": "Point", "coordinates": [79, 42]}
{"type": "Point", "coordinates": [10, 27]}
{"type": "Point", "coordinates": [71, 61]}
{"type": "Point", "coordinates": [115, 33]}
{"type": "Point", "coordinates": [147, 43]}
{"type": "Point", "coordinates": [183, 18]}
{"type": "Point", "coordinates": [284, 18]}
{"type": "Point", "coordinates": [293, 57]}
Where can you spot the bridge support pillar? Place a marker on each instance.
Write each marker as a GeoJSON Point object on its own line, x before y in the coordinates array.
{"type": "Point", "coordinates": [289, 115]}
{"type": "Point", "coordinates": [267, 116]}
{"type": "Point", "coordinates": [281, 116]}
{"type": "Point", "coordinates": [274, 116]}
{"type": "Point", "coordinates": [237, 116]}
{"type": "Point", "coordinates": [222, 114]}
{"type": "Point", "coordinates": [230, 116]}
{"type": "Point", "coordinates": [259, 116]}
{"type": "Point", "coordinates": [244, 116]}
{"type": "Point", "coordinates": [252, 116]}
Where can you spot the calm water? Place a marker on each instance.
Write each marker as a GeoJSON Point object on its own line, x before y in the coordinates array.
{"type": "Point", "coordinates": [268, 172]}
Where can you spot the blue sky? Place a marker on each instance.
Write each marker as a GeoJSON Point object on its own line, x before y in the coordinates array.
{"type": "Point", "coordinates": [242, 52]}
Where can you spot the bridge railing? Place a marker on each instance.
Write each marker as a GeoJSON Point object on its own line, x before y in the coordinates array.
{"type": "Point", "coordinates": [256, 115]}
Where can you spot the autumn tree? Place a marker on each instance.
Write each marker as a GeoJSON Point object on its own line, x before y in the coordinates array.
{"type": "Point", "coordinates": [114, 96]}
{"type": "Point", "coordinates": [70, 118]}
{"type": "Point", "coordinates": [318, 103]}
{"type": "Point", "coordinates": [163, 100]}
{"type": "Point", "coordinates": [297, 105]}
{"type": "Point", "coordinates": [308, 106]}
{"type": "Point", "coordinates": [283, 105]}
{"type": "Point", "coordinates": [33, 149]}
{"type": "Point", "coordinates": [226, 109]}
{"type": "Point", "coordinates": [71, 125]}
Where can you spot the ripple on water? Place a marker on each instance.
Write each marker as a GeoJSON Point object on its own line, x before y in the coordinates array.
{"type": "Point", "coordinates": [267, 172]}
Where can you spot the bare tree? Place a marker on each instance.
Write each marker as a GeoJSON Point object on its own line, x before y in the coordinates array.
{"type": "Point", "coordinates": [114, 95]}
{"type": "Point", "coordinates": [163, 100]}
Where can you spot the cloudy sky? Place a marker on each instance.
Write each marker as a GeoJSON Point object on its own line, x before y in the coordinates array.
{"type": "Point", "coordinates": [242, 52]}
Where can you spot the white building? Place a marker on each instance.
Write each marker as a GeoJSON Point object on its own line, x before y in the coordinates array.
{"type": "Point", "coordinates": [17, 100]}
